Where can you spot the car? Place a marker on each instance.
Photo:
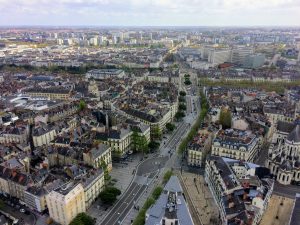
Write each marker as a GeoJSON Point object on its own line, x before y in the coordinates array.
{"type": "Point", "coordinates": [22, 210]}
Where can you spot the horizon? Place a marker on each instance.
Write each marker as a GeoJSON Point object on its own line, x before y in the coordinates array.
{"type": "Point", "coordinates": [136, 13]}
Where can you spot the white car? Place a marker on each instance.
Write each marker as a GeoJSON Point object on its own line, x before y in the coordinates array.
{"type": "Point", "coordinates": [22, 210]}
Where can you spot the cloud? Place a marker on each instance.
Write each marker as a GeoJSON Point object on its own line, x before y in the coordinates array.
{"type": "Point", "coordinates": [150, 12]}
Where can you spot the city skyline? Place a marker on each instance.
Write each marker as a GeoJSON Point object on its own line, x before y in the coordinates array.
{"type": "Point", "coordinates": [149, 13]}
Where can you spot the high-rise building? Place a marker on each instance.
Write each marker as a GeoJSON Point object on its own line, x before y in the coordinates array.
{"type": "Point", "coordinates": [218, 56]}
{"type": "Point", "coordinates": [239, 54]}
{"type": "Point", "coordinates": [254, 61]}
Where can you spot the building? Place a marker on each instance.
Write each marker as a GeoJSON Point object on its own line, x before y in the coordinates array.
{"type": "Point", "coordinates": [65, 202]}
{"type": "Point", "coordinates": [284, 153]}
{"type": "Point", "coordinates": [254, 61]}
{"type": "Point", "coordinates": [198, 148]}
{"type": "Point", "coordinates": [240, 53]}
{"type": "Point", "coordinates": [236, 144]}
{"type": "Point", "coordinates": [95, 156]}
{"type": "Point", "coordinates": [43, 135]}
{"type": "Point", "coordinates": [105, 73]}
{"type": "Point", "coordinates": [93, 184]}
{"type": "Point", "coordinates": [218, 56]}
{"type": "Point", "coordinates": [170, 208]}
{"type": "Point", "coordinates": [240, 189]}
{"type": "Point", "coordinates": [295, 215]}
{"type": "Point", "coordinates": [57, 93]}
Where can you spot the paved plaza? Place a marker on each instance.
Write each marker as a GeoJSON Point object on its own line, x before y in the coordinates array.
{"type": "Point", "coordinates": [201, 197]}
{"type": "Point", "coordinates": [278, 211]}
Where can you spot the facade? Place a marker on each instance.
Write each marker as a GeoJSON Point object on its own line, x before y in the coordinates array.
{"type": "Point", "coordinates": [254, 61]}
{"type": "Point", "coordinates": [284, 153]}
{"type": "Point", "coordinates": [105, 73]}
{"type": "Point", "coordinates": [95, 156]}
{"type": "Point", "coordinates": [170, 208]}
{"type": "Point", "coordinates": [65, 202]}
{"type": "Point", "coordinates": [49, 93]}
{"type": "Point", "coordinates": [93, 184]}
{"type": "Point", "coordinates": [198, 149]}
{"type": "Point", "coordinates": [219, 56]}
{"type": "Point", "coordinates": [239, 54]}
{"type": "Point", "coordinates": [236, 144]}
{"type": "Point", "coordinates": [239, 189]}
{"type": "Point", "coordinates": [43, 135]}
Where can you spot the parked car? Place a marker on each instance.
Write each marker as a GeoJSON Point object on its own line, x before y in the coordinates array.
{"type": "Point", "coordinates": [22, 210]}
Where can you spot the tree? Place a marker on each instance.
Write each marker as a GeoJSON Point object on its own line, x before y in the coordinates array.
{"type": "Point", "coordinates": [182, 93]}
{"type": "Point", "coordinates": [182, 107]}
{"type": "Point", "coordinates": [156, 133]}
{"type": "Point", "coordinates": [225, 118]}
{"type": "Point", "coordinates": [170, 126]}
{"type": "Point", "coordinates": [179, 115]}
{"type": "Point", "coordinates": [187, 82]}
{"type": "Point", "coordinates": [104, 167]}
{"type": "Point", "coordinates": [1, 204]}
{"type": "Point", "coordinates": [139, 142]}
{"type": "Point", "coordinates": [153, 145]}
{"type": "Point", "coordinates": [82, 105]}
{"type": "Point", "coordinates": [107, 198]}
{"type": "Point", "coordinates": [167, 176]}
{"type": "Point", "coordinates": [82, 219]}
{"type": "Point", "coordinates": [181, 99]}
{"type": "Point", "coordinates": [109, 195]}
{"type": "Point", "coordinates": [156, 192]}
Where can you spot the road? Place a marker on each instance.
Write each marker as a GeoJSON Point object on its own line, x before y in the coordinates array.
{"type": "Point", "coordinates": [145, 174]}
{"type": "Point", "coordinates": [148, 169]}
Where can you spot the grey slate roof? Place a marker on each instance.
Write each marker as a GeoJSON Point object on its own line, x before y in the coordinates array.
{"type": "Point", "coordinates": [173, 185]}
{"type": "Point", "coordinates": [158, 211]}
{"type": "Point", "coordinates": [294, 135]}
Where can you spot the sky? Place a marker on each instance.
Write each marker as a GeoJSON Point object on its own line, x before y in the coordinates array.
{"type": "Point", "coordinates": [150, 12]}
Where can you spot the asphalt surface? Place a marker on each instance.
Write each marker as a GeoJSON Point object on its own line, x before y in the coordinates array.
{"type": "Point", "coordinates": [120, 210]}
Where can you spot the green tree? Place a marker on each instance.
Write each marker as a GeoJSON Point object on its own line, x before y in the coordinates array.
{"type": "Point", "coordinates": [181, 99]}
{"type": "Point", "coordinates": [156, 192]}
{"type": "Point", "coordinates": [167, 176]}
{"type": "Point", "coordinates": [82, 219]}
{"type": "Point", "coordinates": [182, 107]}
{"type": "Point", "coordinates": [139, 142]}
{"type": "Point", "coordinates": [179, 115]}
{"type": "Point", "coordinates": [1, 204]}
{"type": "Point", "coordinates": [104, 167]}
{"type": "Point", "coordinates": [153, 145]}
{"type": "Point", "coordinates": [109, 195]}
{"type": "Point", "coordinates": [170, 126]}
{"type": "Point", "coordinates": [225, 118]}
{"type": "Point", "coordinates": [82, 105]}
{"type": "Point", "coordinates": [182, 93]}
{"type": "Point", "coordinates": [156, 133]}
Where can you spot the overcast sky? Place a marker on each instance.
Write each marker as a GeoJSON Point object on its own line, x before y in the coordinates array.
{"type": "Point", "coordinates": [150, 12]}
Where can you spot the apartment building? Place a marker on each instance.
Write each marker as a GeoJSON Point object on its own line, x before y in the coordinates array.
{"type": "Point", "coordinates": [105, 73]}
{"type": "Point", "coordinates": [236, 144]}
{"type": "Point", "coordinates": [95, 156]}
{"type": "Point", "coordinates": [198, 149]}
{"type": "Point", "coordinates": [93, 183]}
{"type": "Point", "coordinates": [57, 93]}
{"type": "Point", "coordinates": [240, 189]}
{"type": "Point", "coordinates": [43, 134]}
{"type": "Point", "coordinates": [65, 202]}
